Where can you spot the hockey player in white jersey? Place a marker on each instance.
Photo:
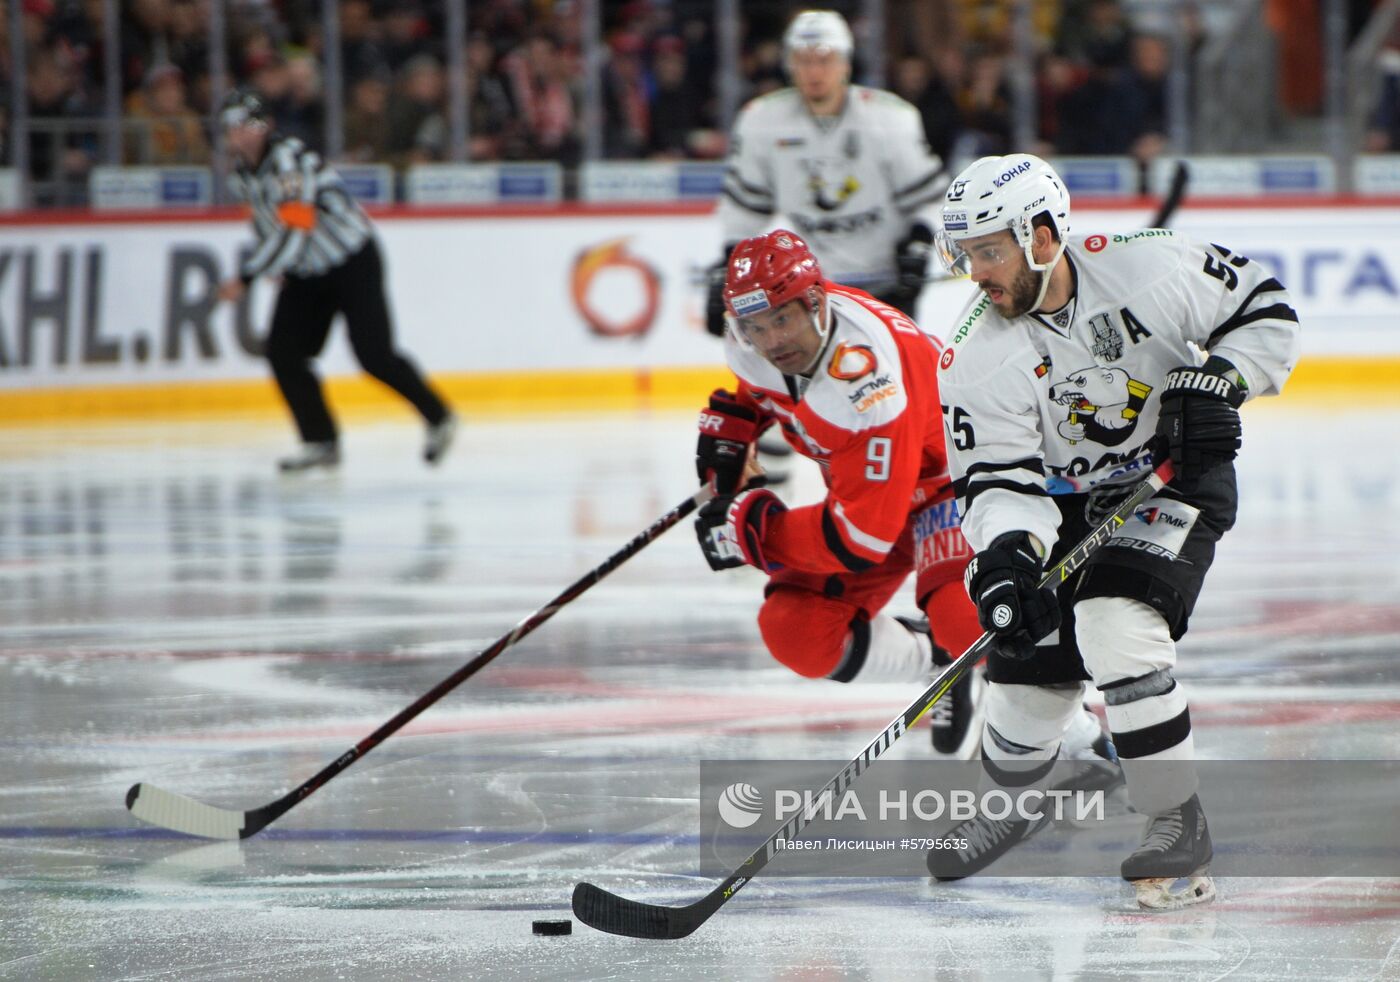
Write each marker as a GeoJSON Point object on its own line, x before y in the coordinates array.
{"type": "Point", "coordinates": [1080, 360]}
{"type": "Point", "coordinates": [846, 166]}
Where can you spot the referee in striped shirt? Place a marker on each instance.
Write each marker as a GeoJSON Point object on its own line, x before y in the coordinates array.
{"type": "Point", "coordinates": [313, 234]}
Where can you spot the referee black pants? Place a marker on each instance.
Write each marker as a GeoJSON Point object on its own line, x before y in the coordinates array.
{"type": "Point", "coordinates": [301, 322]}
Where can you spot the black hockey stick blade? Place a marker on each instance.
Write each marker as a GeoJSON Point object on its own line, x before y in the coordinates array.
{"type": "Point", "coordinates": [606, 911]}
{"type": "Point", "coordinates": [183, 814]}
{"type": "Point", "coordinates": [1172, 201]}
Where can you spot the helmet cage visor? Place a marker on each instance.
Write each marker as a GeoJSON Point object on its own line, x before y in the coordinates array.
{"type": "Point", "coordinates": [746, 328]}
{"type": "Point", "coordinates": [957, 255]}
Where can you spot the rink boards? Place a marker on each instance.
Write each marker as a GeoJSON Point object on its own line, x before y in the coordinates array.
{"type": "Point", "coordinates": [555, 308]}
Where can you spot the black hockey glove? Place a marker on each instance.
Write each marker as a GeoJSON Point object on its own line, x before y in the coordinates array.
{"type": "Point", "coordinates": [911, 257]}
{"type": "Point", "coordinates": [714, 293]}
{"type": "Point", "coordinates": [1003, 581]}
{"type": "Point", "coordinates": [727, 428]}
{"type": "Point", "coordinates": [731, 530]}
{"type": "Point", "coordinates": [1198, 424]}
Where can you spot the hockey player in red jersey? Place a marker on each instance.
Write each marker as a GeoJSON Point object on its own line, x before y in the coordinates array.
{"type": "Point", "coordinates": [853, 384]}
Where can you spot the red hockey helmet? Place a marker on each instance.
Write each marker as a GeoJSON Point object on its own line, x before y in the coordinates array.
{"type": "Point", "coordinates": [768, 271]}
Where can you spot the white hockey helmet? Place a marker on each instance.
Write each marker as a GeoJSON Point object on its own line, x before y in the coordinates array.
{"type": "Point", "coordinates": [819, 29]}
{"type": "Point", "coordinates": [997, 193]}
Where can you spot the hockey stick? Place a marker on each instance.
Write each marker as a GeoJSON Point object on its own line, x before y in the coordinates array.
{"type": "Point", "coordinates": [608, 912]}
{"type": "Point", "coordinates": [1172, 201]}
{"type": "Point", "coordinates": [183, 814]}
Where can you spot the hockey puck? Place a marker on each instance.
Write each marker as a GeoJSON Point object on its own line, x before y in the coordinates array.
{"type": "Point", "coordinates": [553, 927]}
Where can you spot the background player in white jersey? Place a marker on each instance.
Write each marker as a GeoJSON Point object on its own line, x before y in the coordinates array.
{"type": "Point", "coordinates": [855, 385]}
{"type": "Point", "coordinates": [847, 167]}
{"type": "Point", "coordinates": [1080, 361]}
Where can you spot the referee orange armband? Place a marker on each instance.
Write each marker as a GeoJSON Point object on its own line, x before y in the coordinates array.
{"type": "Point", "coordinates": [298, 215]}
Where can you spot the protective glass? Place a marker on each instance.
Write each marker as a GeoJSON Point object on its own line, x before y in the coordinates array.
{"type": "Point", "coordinates": [959, 256]}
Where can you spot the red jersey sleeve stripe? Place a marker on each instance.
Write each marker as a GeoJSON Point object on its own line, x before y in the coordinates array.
{"type": "Point", "coordinates": [846, 540]}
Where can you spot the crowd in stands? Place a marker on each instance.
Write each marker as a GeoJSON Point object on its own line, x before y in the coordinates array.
{"type": "Point", "coordinates": [1100, 78]}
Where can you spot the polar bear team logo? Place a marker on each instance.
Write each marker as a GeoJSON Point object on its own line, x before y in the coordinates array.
{"type": "Point", "coordinates": [1103, 403]}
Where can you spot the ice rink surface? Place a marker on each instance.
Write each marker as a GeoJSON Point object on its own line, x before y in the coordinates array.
{"type": "Point", "coordinates": [174, 612]}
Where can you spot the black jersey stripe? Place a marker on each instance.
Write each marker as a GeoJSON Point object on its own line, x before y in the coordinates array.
{"type": "Point", "coordinates": [837, 545]}
{"type": "Point", "coordinates": [1276, 312]}
{"type": "Point", "coordinates": [918, 185]}
{"type": "Point", "coordinates": [756, 209]}
{"type": "Point", "coordinates": [978, 488]}
{"type": "Point", "coordinates": [1024, 464]}
{"type": "Point", "coordinates": [733, 174]}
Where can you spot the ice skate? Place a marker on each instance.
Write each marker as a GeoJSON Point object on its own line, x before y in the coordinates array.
{"type": "Point", "coordinates": [440, 436]}
{"type": "Point", "coordinates": [311, 456]}
{"type": "Point", "coordinates": [951, 718]}
{"type": "Point", "coordinates": [1169, 869]}
{"type": "Point", "coordinates": [987, 841]}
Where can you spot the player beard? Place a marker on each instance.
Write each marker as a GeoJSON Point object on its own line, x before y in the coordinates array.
{"type": "Point", "coordinates": [1019, 295]}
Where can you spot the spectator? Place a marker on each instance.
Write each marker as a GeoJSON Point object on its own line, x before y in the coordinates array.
{"type": "Point", "coordinates": [145, 40]}
{"type": "Point", "coordinates": [936, 103]}
{"type": "Point", "coordinates": [405, 34]}
{"type": "Point", "coordinates": [417, 126]}
{"type": "Point", "coordinates": [60, 155]}
{"type": "Point", "coordinates": [762, 66]}
{"type": "Point", "coordinates": [677, 115]}
{"type": "Point", "coordinates": [360, 54]}
{"type": "Point", "coordinates": [490, 113]}
{"type": "Point", "coordinates": [1383, 132]}
{"type": "Point", "coordinates": [626, 107]}
{"type": "Point", "coordinates": [255, 52]}
{"type": "Point", "coordinates": [544, 100]}
{"type": "Point", "coordinates": [75, 28]}
{"type": "Point", "coordinates": [267, 72]}
{"type": "Point", "coordinates": [189, 39]}
{"type": "Point", "coordinates": [367, 120]}
{"type": "Point", "coordinates": [985, 104]}
{"type": "Point", "coordinates": [302, 112]}
{"type": "Point", "coordinates": [1100, 117]}
{"type": "Point", "coordinates": [1146, 83]}
{"type": "Point", "coordinates": [166, 130]}
{"type": "Point", "coordinates": [1095, 32]}
{"type": "Point", "coordinates": [1056, 81]}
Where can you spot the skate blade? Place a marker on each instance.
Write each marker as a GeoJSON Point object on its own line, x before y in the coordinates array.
{"type": "Point", "coordinates": [1157, 894]}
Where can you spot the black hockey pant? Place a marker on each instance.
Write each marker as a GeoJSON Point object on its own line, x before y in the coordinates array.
{"type": "Point", "coordinates": [301, 322]}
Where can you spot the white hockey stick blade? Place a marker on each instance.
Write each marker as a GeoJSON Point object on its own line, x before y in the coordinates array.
{"type": "Point", "coordinates": [175, 811]}
{"type": "Point", "coordinates": [1198, 888]}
